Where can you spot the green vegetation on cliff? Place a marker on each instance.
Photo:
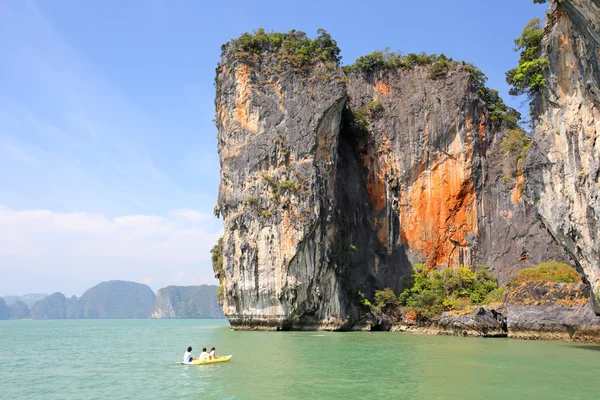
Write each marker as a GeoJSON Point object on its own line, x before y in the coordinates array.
{"type": "Point", "coordinates": [439, 67]}
{"type": "Point", "coordinates": [385, 298]}
{"type": "Point", "coordinates": [515, 145]}
{"type": "Point", "coordinates": [549, 271]}
{"type": "Point", "coordinates": [386, 59]}
{"type": "Point", "coordinates": [431, 292]}
{"type": "Point", "coordinates": [528, 77]}
{"type": "Point", "coordinates": [293, 46]}
{"type": "Point", "coordinates": [217, 262]}
{"type": "Point", "coordinates": [498, 111]}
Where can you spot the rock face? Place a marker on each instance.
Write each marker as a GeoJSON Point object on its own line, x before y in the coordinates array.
{"type": "Point", "coordinates": [426, 181]}
{"type": "Point", "coordinates": [480, 322]}
{"type": "Point", "coordinates": [552, 311]}
{"type": "Point", "coordinates": [278, 135]}
{"type": "Point", "coordinates": [334, 184]}
{"type": "Point", "coordinates": [187, 302]}
{"type": "Point", "coordinates": [563, 171]}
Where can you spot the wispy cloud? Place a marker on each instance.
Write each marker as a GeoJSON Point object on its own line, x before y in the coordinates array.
{"type": "Point", "coordinates": [76, 250]}
{"type": "Point", "coordinates": [95, 184]}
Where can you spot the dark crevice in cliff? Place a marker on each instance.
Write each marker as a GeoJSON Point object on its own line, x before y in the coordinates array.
{"type": "Point", "coordinates": [364, 261]}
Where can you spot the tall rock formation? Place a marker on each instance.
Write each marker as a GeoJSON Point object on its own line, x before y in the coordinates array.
{"type": "Point", "coordinates": [187, 302]}
{"type": "Point", "coordinates": [333, 185]}
{"type": "Point", "coordinates": [278, 117]}
{"type": "Point", "coordinates": [563, 171]}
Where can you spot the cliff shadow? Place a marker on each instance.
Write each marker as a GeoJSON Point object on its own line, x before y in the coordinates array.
{"type": "Point", "coordinates": [367, 250]}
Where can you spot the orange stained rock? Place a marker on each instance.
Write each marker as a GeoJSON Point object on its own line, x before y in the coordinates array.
{"type": "Point", "coordinates": [243, 89]}
{"type": "Point", "coordinates": [411, 315]}
{"type": "Point", "coordinates": [439, 211]}
{"type": "Point", "coordinates": [383, 87]}
{"type": "Point", "coordinates": [230, 151]}
{"type": "Point", "coordinates": [517, 193]}
{"type": "Point", "coordinates": [383, 233]}
{"type": "Point", "coordinates": [375, 183]}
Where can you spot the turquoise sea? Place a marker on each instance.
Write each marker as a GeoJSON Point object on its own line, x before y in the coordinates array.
{"type": "Point", "coordinates": [138, 359]}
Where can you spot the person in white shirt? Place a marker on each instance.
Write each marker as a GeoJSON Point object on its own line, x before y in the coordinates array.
{"type": "Point", "coordinates": [212, 354]}
{"type": "Point", "coordinates": [203, 355]}
{"type": "Point", "coordinates": [188, 357]}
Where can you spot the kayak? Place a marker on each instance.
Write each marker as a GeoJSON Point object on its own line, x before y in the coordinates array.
{"type": "Point", "coordinates": [217, 360]}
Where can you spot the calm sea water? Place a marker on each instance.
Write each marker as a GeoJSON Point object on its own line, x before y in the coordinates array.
{"type": "Point", "coordinates": [137, 359]}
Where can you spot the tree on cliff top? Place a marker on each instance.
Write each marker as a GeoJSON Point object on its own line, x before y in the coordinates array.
{"type": "Point", "coordinates": [528, 77]}
{"type": "Point", "coordinates": [293, 46]}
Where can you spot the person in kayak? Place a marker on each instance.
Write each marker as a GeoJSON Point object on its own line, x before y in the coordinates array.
{"type": "Point", "coordinates": [188, 357]}
{"type": "Point", "coordinates": [212, 354]}
{"type": "Point", "coordinates": [203, 355]}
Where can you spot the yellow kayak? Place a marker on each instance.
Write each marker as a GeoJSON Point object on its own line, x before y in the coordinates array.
{"type": "Point", "coordinates": [217, 360]}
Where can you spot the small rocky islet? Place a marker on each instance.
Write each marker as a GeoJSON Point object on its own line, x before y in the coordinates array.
{"type": "Point", "coordinates": [339, 184]}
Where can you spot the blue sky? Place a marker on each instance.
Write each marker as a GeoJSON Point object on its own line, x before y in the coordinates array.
{"type": "Point", "coordinates": [108, 161]}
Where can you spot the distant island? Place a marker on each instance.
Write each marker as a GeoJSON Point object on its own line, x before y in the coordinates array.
{"type": "Point", "coordinates": [28, 299]}
{"type": "Point", "coordinates": [187, 302]}
{"type": "Point", "coordinates": [117, 299]}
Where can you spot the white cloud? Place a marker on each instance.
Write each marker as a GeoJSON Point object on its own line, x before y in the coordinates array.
{"type": "Point", "coordinates": [79, 250]}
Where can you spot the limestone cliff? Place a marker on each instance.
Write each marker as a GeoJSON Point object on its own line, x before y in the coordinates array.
{"type": "Point", "coordinates": [278, 117]}
{"type": "Point", "coordinates": [562, 169]}
{"type": "Point", "coordinates": [334, 184]}
{"type": "Point", "coordinates": [434, 187]}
